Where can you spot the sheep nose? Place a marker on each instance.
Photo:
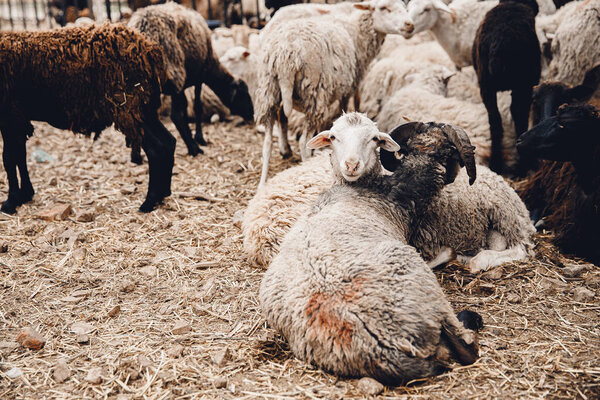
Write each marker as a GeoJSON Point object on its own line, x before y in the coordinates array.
{"type": "Point", "coordinates": [409, 27]}
{"type": "Point", "coordinates": [352, 166]}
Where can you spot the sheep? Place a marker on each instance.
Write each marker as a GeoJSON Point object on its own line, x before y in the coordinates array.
{"type": "Point", "coordinates": [292, 76]}
{"type": "Point", "coordinates": [347, 291]}
{"type": "Point", "coordinates": [506, 56]}
{"type": "Point", "coordinates": [83, 79]}
{"type": "Point", "coordinates": [549, 96]}
{"type": "Point", "coordinates": [566, 189]}
{"type": "Point", "coordinates": [574, 47]}
{"type": "Point", "coordinates": [185, 40]}
{"type": "Point", "coordinates": [428, 102]}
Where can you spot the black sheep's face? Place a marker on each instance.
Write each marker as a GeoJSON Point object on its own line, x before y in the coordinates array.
{"type": "Point", "coordinates": [241, 103]}
{"type": "Point", "coordinates": [563, 137]}
{"type": "Point", "coordinates": [546, 100]}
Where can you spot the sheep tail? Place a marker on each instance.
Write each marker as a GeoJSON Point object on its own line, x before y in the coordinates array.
{"type": "Point", "coordinates": [286, 85]}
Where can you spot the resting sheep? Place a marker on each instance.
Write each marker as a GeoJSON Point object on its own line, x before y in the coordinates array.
{"type": "Point", "coordinates": [347, 291]}
{"type": "Point", "coordinates": [83, 79]}
{"type": "Point", "coordinates": [565, 192]}
{"type": "Point", "coordinates": [291, 76]}
{"type": "Point", "coordinates": [506, 56]}
{"type": "Point", "coordinates": [185, 40]}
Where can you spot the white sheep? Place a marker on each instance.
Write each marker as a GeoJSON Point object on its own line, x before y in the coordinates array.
{"type": "Point", "coordinates": [309, 64]}
{"type": "Point", "coordinates": [347, 291]}
{"type": "Point", "coordinates": [575, 44]}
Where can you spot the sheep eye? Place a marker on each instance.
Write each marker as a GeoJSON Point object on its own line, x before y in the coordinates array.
{"type": "Point", "coordinates": [375, 139]}
{"type": "Point", "coordinates": [384, 8]}
{"type": "Point", "coordinates": [426, 9]}
{"type": "Point", "coordinates": [331, 137]}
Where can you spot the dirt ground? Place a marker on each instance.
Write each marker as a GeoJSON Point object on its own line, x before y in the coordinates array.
{"type": "Point", "coordinates": [164, 305]}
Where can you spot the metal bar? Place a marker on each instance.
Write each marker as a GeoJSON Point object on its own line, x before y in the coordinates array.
{"type": "Point", "coordinates": [225, 16]}
{"type": "Point", "coordinates": [35, 10]}
{"type": "Point", "coordinates": [195, 4]}
{"type": "Point", "coordinates": [46, 9]}
{"type": "Point", "coordinates": [119, 7]}
{"type": "Point", "coordinates": [63, 7]}
{"type": "Point", "coordinates": [107, 3]}
{"type": "Point", "coordinates": [24, 14]}
{"type": "Point", "coordinates": [10, 18]}
{"type": "Point", "coordinates": [210, 16]}
{"type": "Point", "coordinates": [90, 7]}
{"type": "Point", "coordinates": [257, 15]}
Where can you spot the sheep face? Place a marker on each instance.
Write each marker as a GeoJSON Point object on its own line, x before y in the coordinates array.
{"type": "Point", "coordinates": [560, 138]}
{"type": "Point", "coordinates": [354, 139]}
{"type": "Point", "coordinates": [241, 103]}
{"type": "Point", "coordinates": [424, 14]}
{"type": "Point", "coordinates": [546, 99]}
{"type": "Point", "coordinates": [236, 60]}
{"type": "Point", "coordinates": [389, 16]}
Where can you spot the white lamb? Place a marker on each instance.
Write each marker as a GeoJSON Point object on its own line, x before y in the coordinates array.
{"type": "Point", "coordinates": [309, 64]}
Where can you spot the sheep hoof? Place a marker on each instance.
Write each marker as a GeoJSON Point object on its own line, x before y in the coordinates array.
{"type": "Point", "coordinates": [137, 159]}
{"type": "Point", "coordinates": [9, 206]}
{"type": "Point", "coordinates": [200, 140]}
{"type": "Point", "coordinates": [194, 150]}
{"type": "Point", "coordinates": [496, 165]}
{"type": "Point", "coordinates": [470, 320]}
{"type": "Point", "coordinates": [150, 204]}
{"type": "Point", "coordinates": [286, 154]}
{"type": "Point", "coordinates": [25, 196]}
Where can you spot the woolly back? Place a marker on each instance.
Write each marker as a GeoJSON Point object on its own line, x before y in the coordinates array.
{"type": "Point", "coordinates": [529, 3]}
{"type": "Point", "coordinates": [82, 78]}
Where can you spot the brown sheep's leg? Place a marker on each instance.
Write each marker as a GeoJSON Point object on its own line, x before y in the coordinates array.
{"type": "Point", "coordinates": [179, 117]}
{"type": "Point", "coordinates": [9, 157]}
{"type": "Point", "coordinates": [496, 131]}
{"type": "Point", "coordinates": [198, 115]}
{"type": "Point", "coordinates": [519, 108]}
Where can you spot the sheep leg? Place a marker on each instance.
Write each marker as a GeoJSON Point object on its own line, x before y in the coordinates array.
{"type": "Point", "coordinates": [284, 145]}
{"type": "Point", "coordinates": [445, 255]}
{"type": "Point", "coordinates": [159, 146]}
{"type": "Point", "coordinates": [487, 259]}
{"type": "Point", "coordinates": [26, 192]}
{"type": "Point", "coordinates": [198, 115]}
{"type": "Point", "coordinates": [9, 158]}
{"type": "Point", "coordinates": [179, 117]}
{"type": "Point", "coordinates": [496, 132]}
{"type": "Point", "coordinates": [266, 153]}
{"type": "Point", "coordinates": [519, 109]}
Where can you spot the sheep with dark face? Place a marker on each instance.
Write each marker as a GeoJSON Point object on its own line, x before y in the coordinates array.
{"type": "Point", "coordinates": [83, 79]}
{"type": "Point", "coordinates": [566, 190]}
{"type": "Point", "coordinates": [549, 96]}
{"type": "Point", "coordinates": [188, 55]}
{"type": "Point", "coordinates": [506, 56]}
{"type": "Point", "coordinates": [347, 291]}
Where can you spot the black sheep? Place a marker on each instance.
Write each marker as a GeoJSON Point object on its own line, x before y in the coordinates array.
{"type": "Point", "coordinates": [506, 56]}
{"type": "Point", "coordinates": [566, 189]}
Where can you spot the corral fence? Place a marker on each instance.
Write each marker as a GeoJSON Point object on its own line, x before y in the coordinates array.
{"type": "Point", "coordinates": [44, 14]}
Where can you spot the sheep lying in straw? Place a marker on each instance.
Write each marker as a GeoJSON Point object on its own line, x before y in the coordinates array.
{"type": "Point", "coordinates": [347, 291]}
{"type": "Point", "coordinates": [83, 79]}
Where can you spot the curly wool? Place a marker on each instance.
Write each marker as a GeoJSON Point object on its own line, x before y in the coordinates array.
{"type": "Point", "coordinates": [80, 78]}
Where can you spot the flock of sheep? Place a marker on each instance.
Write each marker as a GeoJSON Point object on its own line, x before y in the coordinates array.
{"type": "Point", "coordinates": [350, 236]}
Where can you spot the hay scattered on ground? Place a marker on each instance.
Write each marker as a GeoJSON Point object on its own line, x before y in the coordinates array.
{"type": "Point", "coordinates": [182, 267]}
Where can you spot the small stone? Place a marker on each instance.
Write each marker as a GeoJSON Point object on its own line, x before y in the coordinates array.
{"type": "Point", "coordinates": [221, 357]}
{"type": "Point", "coordinates": [128, 286]}
{"type": "Point", "coordinates": [128, 189]}
{"type": "Point", "coordinates": [181, 328]}
{"type": "Point", "coordinates": [82, 339]}
{"type": "Point", "coordinates": [56, 213]}
{"type": "Point", "coordinates": [574, 270]}
{"type": "Point", "coordinates": [53, 181]}
{"type": "Point", "coordinates": [175, 351]}
{"type": "Point", "coordinates": [3, 247]}
{"type": "Point", "coordinates": [82, 328]}
{"type": "Point", "coordinates": [220, 382]}
{"type": "Point", "coordinates": [370, 386]}
{"type": "Point", "coordinates": [79, 254]}
{"type": "Point", "coordinates": [72, 299]}
{"type": "Point", "coordinates": [513, 298]}
{"type": "Point", "coordinates": [114, 311]}
{"type": "Point", "coordinates": [31, 339]}
{"type": "Point", "coordinates": [238, 216]}
{"type": "Point", "coordinates": [149, 271]}
{"type": "Point", "coordinates": [85, 217]}
{"type": "Point", "coordinates": [94, 375]}
{"type": "Point", "coordinates": [14, 373]}
{"type": "Point", "coordinates": [582, 294]}
{"type": "Point", "coordinates": [61, 371]}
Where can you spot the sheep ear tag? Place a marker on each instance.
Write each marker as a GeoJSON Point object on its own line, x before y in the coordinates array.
{"type": "Point", "coordinates": [321, 140]}
{"type": "Point", "coordinates": [365, 5]}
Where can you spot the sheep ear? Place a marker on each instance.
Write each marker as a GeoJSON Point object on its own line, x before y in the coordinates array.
{"type": "Point", "coordinates": [387, 143]}
{"type": "Point", "coordinates": [365, 5]}
{"type": "Point", "coordinates": [321, 140]}
{"type": "Point", "coordinates": [446, 75]}
{"type": "Point", "coordinates": [441, 6]}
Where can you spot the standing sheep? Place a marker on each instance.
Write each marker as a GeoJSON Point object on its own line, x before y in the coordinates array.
{"type": "Point", "coordinates": [83, 79]}
{"type": "Point", "coordinates": [348, 293]}
{"type": "Point", "coordinates": [506, 56]}
{"type": "Point", "coordinates": [185, 40]}
{"type": "Point", "coordinates": [309, 64]}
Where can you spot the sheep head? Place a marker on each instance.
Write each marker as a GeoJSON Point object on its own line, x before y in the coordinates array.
{"type": "Point", "coordinates": [447, 144]}
{"type": "Point", "coordinates": [389, 16]}
{"type": "Point", "coordinates": [241, 102]}
{"type": "Point", "coordinates": [424, 14]}
{"type": "Point", "coordinates": [354, 140]}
